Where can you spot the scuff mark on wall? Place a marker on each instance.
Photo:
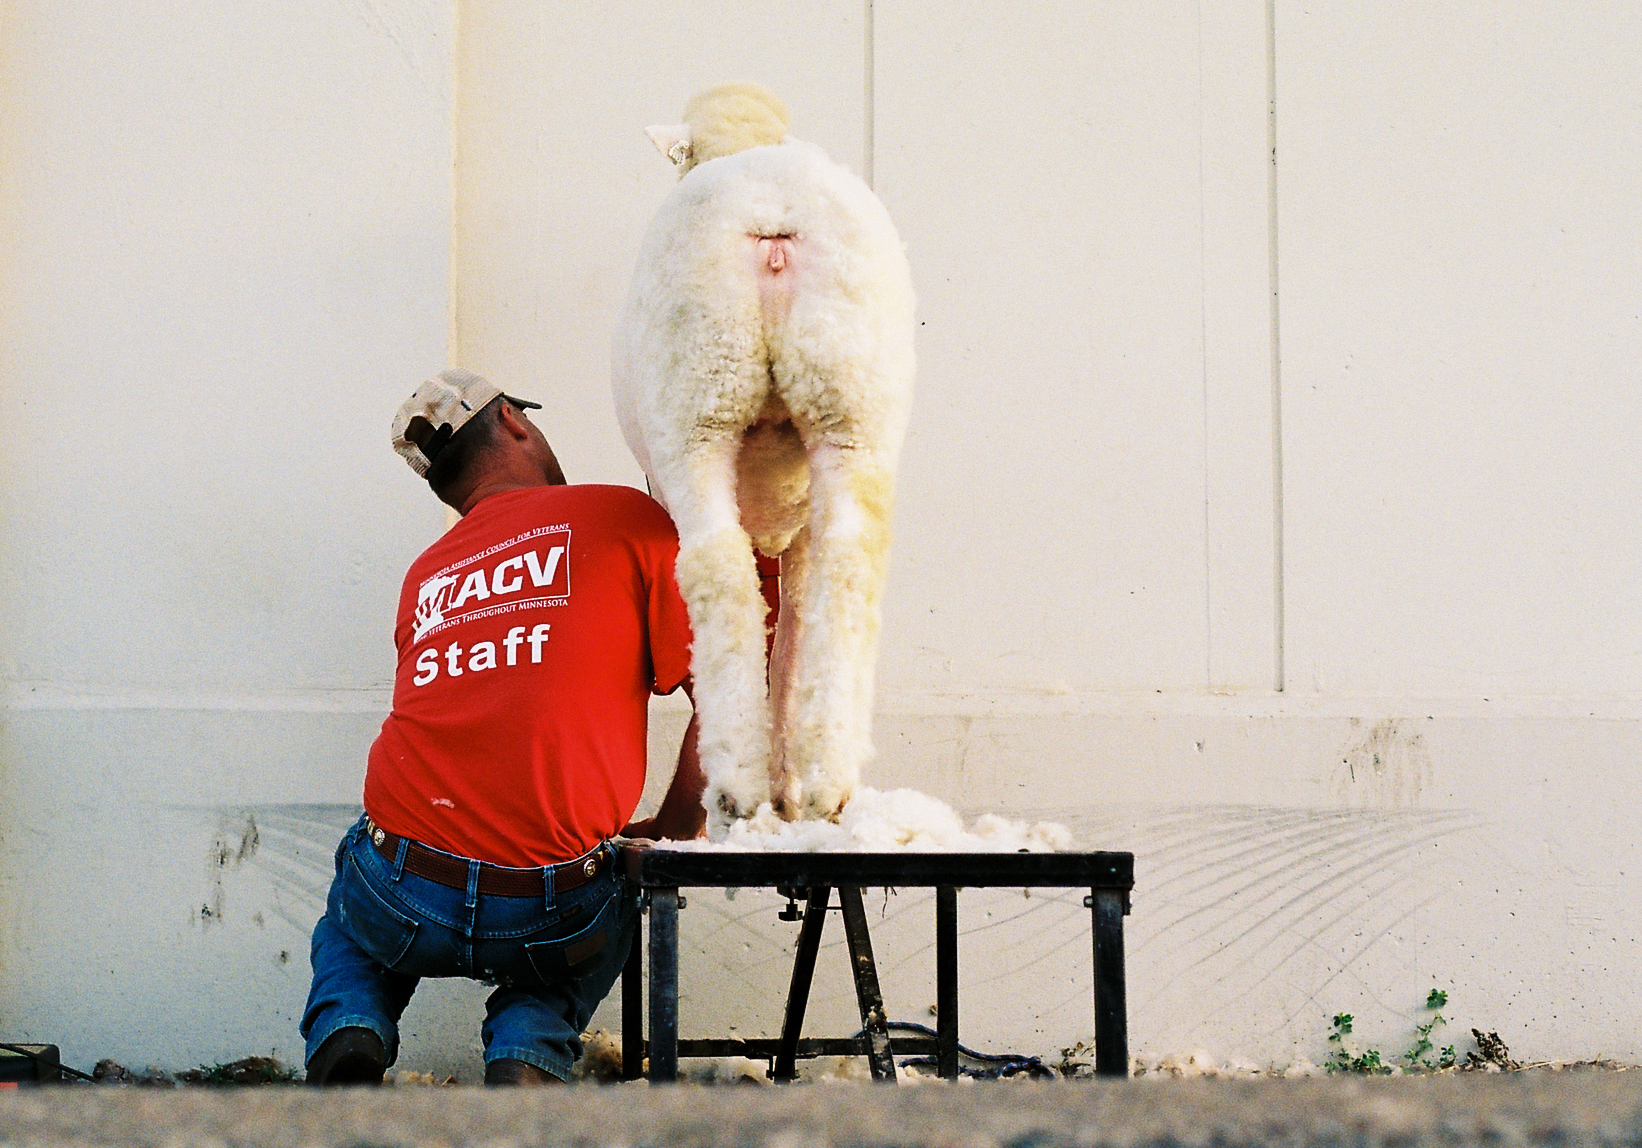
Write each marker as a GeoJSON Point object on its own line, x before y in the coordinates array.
{"type": "Point", "coordinates": [235, 843]}
{"type": "Point", "coordinates": [1271, 905]}
{"type": "Point", "coordinates": [295, 848]}
{"type": "Point", "coordinates": [1388, 767]}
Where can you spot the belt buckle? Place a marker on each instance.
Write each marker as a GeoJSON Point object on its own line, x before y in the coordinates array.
{"type": "Point", "coordinates": [590, 866]}
{"type": "Point", "coordinates": [376, 832]}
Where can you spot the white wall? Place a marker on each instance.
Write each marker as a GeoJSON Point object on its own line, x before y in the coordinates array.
{"type": "Point", "coordinates": [1314, 607]}
{"type": "Point", "coordinates": [225, 258]}
{"type": "Point", "coordinates": [1461, 250]}
{"type": "Point", "coordinates": [1324, 608]}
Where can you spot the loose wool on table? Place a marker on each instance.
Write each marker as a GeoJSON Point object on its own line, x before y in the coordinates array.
{"type": "Point", "coordinates": [901, 820]}
{"type": "Point", "coordinates": [763, 369]}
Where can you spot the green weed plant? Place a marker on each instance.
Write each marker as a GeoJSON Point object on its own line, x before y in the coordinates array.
{"type": "Point", "coordinates": [1422, 1054]}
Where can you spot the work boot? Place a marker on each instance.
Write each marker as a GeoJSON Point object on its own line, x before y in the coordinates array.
{"type": "Point", "coordinates": [506, 1070]}
{"type": "Point", "coordinates": [350, 1055]}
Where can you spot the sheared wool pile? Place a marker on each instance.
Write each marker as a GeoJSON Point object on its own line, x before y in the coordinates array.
{"type": "Point", "coordinates": [899, 820]}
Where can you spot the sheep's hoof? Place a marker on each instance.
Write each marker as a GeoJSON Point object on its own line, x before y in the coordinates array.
{"type": "Point", "coordinates": [733, 808]}
{"type": "Point", "coordinates": [822, 807]}
{"type": "Point", "coordinates": [721, 814]}
{"type": "Point", "coordinates": [785, 808]}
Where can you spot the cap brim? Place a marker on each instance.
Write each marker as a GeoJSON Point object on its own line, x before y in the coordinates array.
{"type": "Point", "coordinates": [522, 402]}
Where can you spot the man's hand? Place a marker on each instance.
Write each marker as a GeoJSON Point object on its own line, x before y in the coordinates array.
{"type": "Point", "coordinates": [681, 816]}
{"type": "Point", "coordinates": [640, 832]}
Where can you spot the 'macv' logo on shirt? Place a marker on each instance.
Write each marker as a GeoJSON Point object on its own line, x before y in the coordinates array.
{"type": "Point", "coordinates": [532, 569]}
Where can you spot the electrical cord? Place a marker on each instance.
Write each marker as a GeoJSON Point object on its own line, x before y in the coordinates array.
{"type": "Point", "coordinates": [39, 1059]}
{"type": "Point", "coordinates": [1008, 1063]}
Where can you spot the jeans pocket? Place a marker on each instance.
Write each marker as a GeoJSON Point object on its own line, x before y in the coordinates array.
{"type": "Point", "coordinates": [376, 926]}
{"type": "Point", "coordinates": [582, 953]}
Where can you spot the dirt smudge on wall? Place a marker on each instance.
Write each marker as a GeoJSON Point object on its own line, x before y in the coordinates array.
{"type": "Point", "coordinates": [1387, 766]}
{"type": "Point", "coordinates": [236, 843]}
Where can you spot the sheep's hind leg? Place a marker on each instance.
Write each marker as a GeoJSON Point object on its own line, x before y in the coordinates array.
{"type": "Point", "coordinates": [851, 495]}
{"type": "Point", "coordinates": [785, 781]}
{"type": "Point", "coordinates": [719, 582]}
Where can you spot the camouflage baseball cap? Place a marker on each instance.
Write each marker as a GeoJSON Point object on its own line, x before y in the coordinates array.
{"type": "Point", "coordinates": [430, 418]}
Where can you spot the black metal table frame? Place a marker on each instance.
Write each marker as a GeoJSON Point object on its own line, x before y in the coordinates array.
{"type": "Point", "coordinates": [662, 872]}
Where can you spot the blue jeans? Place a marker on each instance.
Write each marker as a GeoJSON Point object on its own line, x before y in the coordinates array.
{"type": "Point", "coordinates": [384, 929]}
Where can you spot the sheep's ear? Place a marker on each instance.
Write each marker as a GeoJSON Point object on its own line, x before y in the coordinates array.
{"type": "Point", "coordinates": [671, 140]}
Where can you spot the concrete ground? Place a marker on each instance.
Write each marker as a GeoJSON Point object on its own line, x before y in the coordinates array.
{"type": "Point", "coordinates": [1566, 1109]}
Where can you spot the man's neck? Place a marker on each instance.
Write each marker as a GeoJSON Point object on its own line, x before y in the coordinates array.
{"type": "Point", "coordinates": [496, 486]}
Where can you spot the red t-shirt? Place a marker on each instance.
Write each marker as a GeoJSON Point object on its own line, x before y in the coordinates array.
{"type": "Point", "coordinates": [530, 638]}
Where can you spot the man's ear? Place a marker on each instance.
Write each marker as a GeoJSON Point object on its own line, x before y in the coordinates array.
{"type": "Point", "coordinates": [512, 422]}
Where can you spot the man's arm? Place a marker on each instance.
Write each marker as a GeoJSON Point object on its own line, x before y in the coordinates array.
{"type": "Point", "coordinates": [681, 816]}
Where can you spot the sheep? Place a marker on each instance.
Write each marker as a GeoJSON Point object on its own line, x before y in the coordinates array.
{"type": "Point", "coordinates": [763, 369]}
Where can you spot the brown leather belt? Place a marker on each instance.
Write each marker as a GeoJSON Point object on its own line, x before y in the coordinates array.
{"type": "Point", "coordinates": [500, 880]}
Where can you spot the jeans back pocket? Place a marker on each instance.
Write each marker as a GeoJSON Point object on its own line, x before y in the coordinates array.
{"type": "Point", "coordinates": [582, 953]}
{"type": "Point", "coordinates": [375, 926]}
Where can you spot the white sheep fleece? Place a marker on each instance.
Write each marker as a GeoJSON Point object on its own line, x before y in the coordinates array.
{"type": "Point", "coordinates": [902, 820]}
{"type": "Point", "coordinates": [763, 371]}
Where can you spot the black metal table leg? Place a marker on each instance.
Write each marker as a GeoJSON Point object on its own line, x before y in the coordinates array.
{"type": "Point", "coordinates": [803, 973]}
{"type": "Point", "coordinates": [663, 985]}
{"type": "Point", "coordinates": [632, 1010]}
{"type": "Point", "coordinates": [867, 994]}
{"type": "Point", "coordinates": [662, 873]}
{"type": "Point", "coordinates": [946, 981]}
{"type": "Point", "coordinates": [1111, 1008]}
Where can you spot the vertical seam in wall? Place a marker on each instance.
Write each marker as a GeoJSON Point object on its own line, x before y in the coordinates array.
{"type": "Point", "coordinates": [1279, 637]}
{"type": "Point", "coordinates": [453, 350]}
{"type": "Point", "coordinates": [1203, 351]}
{"type": "Point", "coordinates": [869, 124]}
{"type": "Point", "coordinates": [453, 317]}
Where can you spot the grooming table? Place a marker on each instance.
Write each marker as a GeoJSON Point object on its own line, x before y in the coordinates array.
{"type": "Point", "coordinates": [662, 872]}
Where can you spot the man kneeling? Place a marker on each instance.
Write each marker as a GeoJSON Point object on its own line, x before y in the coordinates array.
{"type": "Point", "coordinates": [530, 638]}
